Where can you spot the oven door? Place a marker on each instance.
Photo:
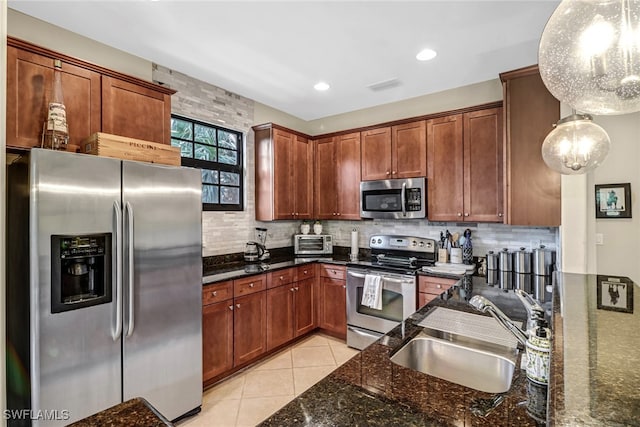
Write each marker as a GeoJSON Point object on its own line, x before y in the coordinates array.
{"type": "Point", "coordinates": [398, 302]}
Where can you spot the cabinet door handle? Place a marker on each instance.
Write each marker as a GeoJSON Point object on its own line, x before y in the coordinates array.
{"type": "Point", "coordinates": [388, 172]}
{"type": "Point", "coordinates": [296, 288]}
{"type": "Point", "coordinates": [291, 289]}
{"type": "Point", "coordinates": [459, 213]}
{"type": "Point", "coordinates": [393, 172]}
{"type": "Point", "coordinates": [238, 305]}
{"type": "Point", "coordinates": [344, 286]}
{"type": "Point", "coordinates": [500, 215]}
{"type": "Point", "coordinates": [338, 214]}
{"type": "Point", "coordinates": [466, 214]}
{"type": "Point", "coordinates": [231, 307]}
{"type": "Point", "coordinates": [334, 214]}
{"type": "Point", "coordinates": [214, 293]}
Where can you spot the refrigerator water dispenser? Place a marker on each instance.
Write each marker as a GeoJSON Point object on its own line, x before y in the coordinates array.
{"type": "Point", "coordinates": [80, 271]}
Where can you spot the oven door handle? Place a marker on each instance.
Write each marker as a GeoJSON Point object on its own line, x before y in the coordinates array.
{"type": "Point", "coordinates": [388, 279]}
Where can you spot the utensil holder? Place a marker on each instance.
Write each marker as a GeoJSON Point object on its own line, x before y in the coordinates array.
{"type": "Point", "coordinates": [456, 256]}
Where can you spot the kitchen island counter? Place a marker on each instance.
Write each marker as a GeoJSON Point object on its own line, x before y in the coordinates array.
{"type": "Point", "coordinates": [594, 377]}
{"type": "Point", "coordinates": [369, 389]}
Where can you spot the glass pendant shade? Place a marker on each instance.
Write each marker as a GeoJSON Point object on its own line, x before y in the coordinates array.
{"type": "Point", "coordinates": [576, 145]}
{"type": "Point", "coordinates": [589, 55]}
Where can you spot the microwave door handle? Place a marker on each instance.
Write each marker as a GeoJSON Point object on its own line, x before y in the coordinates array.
{"type": "Point", "coordinates": [403, 199]}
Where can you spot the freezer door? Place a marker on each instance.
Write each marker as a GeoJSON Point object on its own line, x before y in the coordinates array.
{"type": "Point", "coordinates": [162, 344]}
{"type": "Point", "coordinates": [75, 354]}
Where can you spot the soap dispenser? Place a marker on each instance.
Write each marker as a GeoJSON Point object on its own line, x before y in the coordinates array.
{"type": "Point", "coordinates": [538, 351]}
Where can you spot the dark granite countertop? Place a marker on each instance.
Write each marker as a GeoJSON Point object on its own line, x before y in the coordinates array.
{"type": "Point", "coordinates": [595, 360]}
{"type": "Point", "coordinates": [241, 269]}
{"type": "Point", "coordinates": [371, 390]}
{"type": "Point", "coordinates": [132, 413]}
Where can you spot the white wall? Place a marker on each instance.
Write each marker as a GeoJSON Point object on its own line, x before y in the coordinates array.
{"type": "Point", "coordinates": [620, 253]}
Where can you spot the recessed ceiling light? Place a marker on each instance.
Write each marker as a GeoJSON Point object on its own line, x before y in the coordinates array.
{"type": "Point", "coordinates": [321, 86]}
{"type": "Point", "coordinates": [426, 54]}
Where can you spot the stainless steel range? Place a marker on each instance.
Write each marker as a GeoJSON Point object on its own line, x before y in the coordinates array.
{"type": "Point", "coordinates": [391, 273]}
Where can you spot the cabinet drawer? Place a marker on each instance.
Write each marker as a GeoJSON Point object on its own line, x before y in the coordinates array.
{"type": "Point", "coordinates": [281, 277]}
{"type": "Point", "coordinates": [249, 285]}
{"type": "Point", "coordinates": [217, 292]}
{"type": "Point", "coordinates": [333, 271]}
{"type": "Point", "coordinates": [306, 272]}
{"type": "Point", "coordinates": [434, 285]}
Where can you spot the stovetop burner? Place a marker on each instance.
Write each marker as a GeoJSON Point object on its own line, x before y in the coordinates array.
{"type": "Point", "coordinates": [401, 253]}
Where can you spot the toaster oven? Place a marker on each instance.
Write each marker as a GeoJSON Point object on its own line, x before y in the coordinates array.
{"type": "Point", "coordinates": [313, 244]}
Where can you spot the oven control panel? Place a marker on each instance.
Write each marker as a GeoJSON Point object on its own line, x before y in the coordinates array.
{"type": "Point", "coordinates": [402, 243]}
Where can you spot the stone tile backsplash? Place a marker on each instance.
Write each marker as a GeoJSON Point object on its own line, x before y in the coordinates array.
{"type": "Point", "coordinates": [227, 232]}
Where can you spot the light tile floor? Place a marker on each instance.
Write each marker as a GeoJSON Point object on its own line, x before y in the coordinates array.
{"type": "Point", "coordinates": [250, 396]}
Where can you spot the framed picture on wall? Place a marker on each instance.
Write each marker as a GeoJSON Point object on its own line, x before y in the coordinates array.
{"type": "Point", "coordinates": [613, 200]}
{"type": "Point", "coordinates": [615, 293]}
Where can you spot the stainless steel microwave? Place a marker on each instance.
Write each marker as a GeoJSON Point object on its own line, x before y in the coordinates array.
{"type": "Point", "coordinates": [313, 244]}
{"type": "Point", "coordinates": [394, 198]}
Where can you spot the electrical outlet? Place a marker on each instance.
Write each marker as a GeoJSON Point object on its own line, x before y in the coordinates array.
{"type": "Point", "coordinates": [599, 239]}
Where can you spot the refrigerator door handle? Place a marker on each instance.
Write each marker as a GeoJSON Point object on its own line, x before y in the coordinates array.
{"type": "Point", "coordinates": [130, 267]}
{"type": "Point", "coordinates": [117, 270]}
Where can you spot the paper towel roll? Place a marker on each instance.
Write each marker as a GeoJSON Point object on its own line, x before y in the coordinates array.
{"type": "Point", "coordinates": [354, 242]}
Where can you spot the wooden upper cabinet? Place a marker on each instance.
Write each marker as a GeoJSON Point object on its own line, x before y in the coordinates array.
{"type": "Point", "coordinates": [395, 152]}
{"type": "Point", "coordinates": [96, 99]}
{"type": "Point", "coordinates": [326, 179]}
{"type": "Point", "coordinates": [284, 174]}
{"type": "Point", "coordinates": [337, 179]}
{"type": "Point", "coordinates": [135, 111]}
{"type": "Point", "coordinates": [483, 172]}
{"type": "Point", "coordinates": [376, 154]}
{"type": "Point", "coordinates": [465, 167]}
{"type": "Point", "coordinates": [409, 150]}
{"type": "Point", "coordinates": [302, 166]}
{"type": "Point", "coordinates": [532, 190]}
{"type": "Point", "coordinates": [29, 87]}
{"type": "Point", "coordinates": [445, 183]}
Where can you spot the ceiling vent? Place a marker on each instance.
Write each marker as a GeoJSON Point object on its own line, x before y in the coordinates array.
{"type": "Point", "coordinates": [383, 85]}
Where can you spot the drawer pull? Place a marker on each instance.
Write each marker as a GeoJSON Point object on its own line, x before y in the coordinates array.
{"type": "Point", "coordinates": [439, 286]}
{"type": "Point", "coordinates": [251, 285]}
{"type": "Point", "coordinates": [305, 272]}
{"type": "Point", "coordinates": [281, 278]}
{"type": "Point", "coordinates": [214, 293]}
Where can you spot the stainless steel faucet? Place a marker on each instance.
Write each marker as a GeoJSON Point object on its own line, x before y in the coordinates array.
{"type": "Point", "coordinates": [481, 303]}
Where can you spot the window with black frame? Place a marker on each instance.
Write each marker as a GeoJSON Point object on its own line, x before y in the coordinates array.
{"type": "Point", "coordinates": [217, 152]}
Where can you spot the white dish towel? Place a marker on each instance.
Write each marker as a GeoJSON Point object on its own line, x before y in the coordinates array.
{"type": "Point", "coordinates": [372, 291]}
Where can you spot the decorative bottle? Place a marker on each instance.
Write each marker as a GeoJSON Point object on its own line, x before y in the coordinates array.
{"type": "Point", "coordinates": [55, 134]}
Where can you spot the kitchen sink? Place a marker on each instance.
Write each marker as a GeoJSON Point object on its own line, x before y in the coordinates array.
{"type": "Point", "coordinates": [462, 360]}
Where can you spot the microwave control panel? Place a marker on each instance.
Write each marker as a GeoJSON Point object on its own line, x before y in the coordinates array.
{"type": "Point", "coordinates": [414, 197]}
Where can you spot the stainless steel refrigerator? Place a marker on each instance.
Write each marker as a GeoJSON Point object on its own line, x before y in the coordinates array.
{"type": "Point", "coordinates": [104, 287]}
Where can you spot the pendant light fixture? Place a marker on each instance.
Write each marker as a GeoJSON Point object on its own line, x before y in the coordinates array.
{"type": "Point", "coordinates": [589, 55]}
{"type": "Point", "coordinates": [576, 145]}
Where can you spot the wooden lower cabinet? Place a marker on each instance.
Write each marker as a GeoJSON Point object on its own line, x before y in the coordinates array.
{"type": "Point", "coordinates": [333, 301]}
{"type": "Point", "coordinates": [217, 339]}
{"type": "Point", "coordinates": [249, 327]}
{"type": "Point", "coordinates": [290, 311]}
{"type": "Point", "coordinates": [280, 308]}
{"type": "Point", "coordinates": [430, 288]}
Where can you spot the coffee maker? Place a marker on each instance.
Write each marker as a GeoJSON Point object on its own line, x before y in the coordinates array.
{"type": "Point", "coordinates": [256, 250]}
